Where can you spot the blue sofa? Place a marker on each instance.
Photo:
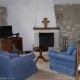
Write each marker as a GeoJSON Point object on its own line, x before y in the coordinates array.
{"type": "Point", "coordinates": [64, 62]}
{"type": "Point", "coordinates": [14, 67]}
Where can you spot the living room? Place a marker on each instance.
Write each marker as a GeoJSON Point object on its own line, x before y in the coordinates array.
{"type": "Point", "coordinates": [27, 19]}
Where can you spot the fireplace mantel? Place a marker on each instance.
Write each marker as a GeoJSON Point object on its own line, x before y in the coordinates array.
{"type": "Point", "coordinates": [48, 28]}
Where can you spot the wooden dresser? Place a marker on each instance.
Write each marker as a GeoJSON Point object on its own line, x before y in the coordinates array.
{"type": "Point", "coordinates": [8, 43]}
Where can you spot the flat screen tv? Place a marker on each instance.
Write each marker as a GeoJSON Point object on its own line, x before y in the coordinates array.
{"type": "Point", "coordinates": [5, 31]}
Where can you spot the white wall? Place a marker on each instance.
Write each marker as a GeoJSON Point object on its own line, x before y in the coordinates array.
{"type": "Point", "coordinates": [45, 9]}
{"type": "Point", "coordinates": [22, 17]}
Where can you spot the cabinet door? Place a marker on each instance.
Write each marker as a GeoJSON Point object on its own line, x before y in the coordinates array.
{"type": "Point", "coordinates": [18, 43]}
{"type": "Point", "coordinates": [6, 45]}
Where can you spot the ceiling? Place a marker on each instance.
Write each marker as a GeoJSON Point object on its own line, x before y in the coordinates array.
{"type": "Point", "coordinates": [9, 2]}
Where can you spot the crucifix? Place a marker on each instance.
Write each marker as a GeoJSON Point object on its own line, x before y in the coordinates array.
{"type": "Point", "coordinates": [45, 22]}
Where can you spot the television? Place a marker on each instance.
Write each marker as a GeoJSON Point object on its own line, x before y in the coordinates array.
{"type": "Point", "coordinates": [5, 31]}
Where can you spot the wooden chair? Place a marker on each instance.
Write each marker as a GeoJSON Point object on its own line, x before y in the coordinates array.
{"type": "Point", "coordinates": [78, 60]}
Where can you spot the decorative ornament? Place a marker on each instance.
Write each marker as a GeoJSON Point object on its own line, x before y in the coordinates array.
{"type": "Point", "coordinates": [45, 22]}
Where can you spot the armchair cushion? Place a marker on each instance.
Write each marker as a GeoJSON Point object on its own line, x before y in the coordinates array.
{"type": "Point", "coordinates": [61, 56]}
{"type": "Point", "coordinates": [74, 53]}
{"type": "Point", "coordinates": [5, 66]}
{"type": "Point", "coordinates": [71, 48]}
{"type": "Point", "coordinates": [23, 59]}
{"type": "Point", "coordinates": [10, 55]}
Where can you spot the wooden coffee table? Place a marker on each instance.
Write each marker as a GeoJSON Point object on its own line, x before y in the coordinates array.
{"type": "Point", "coordinates": [40, 50]}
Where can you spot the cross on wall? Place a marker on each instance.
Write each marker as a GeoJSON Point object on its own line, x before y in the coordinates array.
{"type": "Point", "coordinates": [45, 22]}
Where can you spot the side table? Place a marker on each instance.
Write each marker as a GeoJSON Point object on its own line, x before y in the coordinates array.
{"type": "Point", "coordinates": [40, 50]}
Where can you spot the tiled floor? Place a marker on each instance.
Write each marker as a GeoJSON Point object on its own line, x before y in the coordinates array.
{"type": "Point", "coordinates": [45, 73]}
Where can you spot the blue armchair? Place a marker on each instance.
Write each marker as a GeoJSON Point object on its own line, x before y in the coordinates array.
{"type": "Point", "coordinates": [14, 67]}
{"type": "Point", "coordinates": [64, 62]}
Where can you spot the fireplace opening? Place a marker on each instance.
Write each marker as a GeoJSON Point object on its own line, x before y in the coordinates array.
{"type": "Point", "coordinates": [46, 39]}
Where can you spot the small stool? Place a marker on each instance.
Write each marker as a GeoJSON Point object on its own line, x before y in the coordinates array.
{"type": "Point", "coordinates": [40, 50]}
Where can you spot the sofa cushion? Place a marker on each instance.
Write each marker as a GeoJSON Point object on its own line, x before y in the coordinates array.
{"type": "Point", "coordinates": [71, 49]}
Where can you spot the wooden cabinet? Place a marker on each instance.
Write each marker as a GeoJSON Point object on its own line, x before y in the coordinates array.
{"type": "Point", "coordinates": [9, 43]}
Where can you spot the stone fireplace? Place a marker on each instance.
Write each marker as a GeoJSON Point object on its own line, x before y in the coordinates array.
{"type": "Point", "coordinates": [54, 31]}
